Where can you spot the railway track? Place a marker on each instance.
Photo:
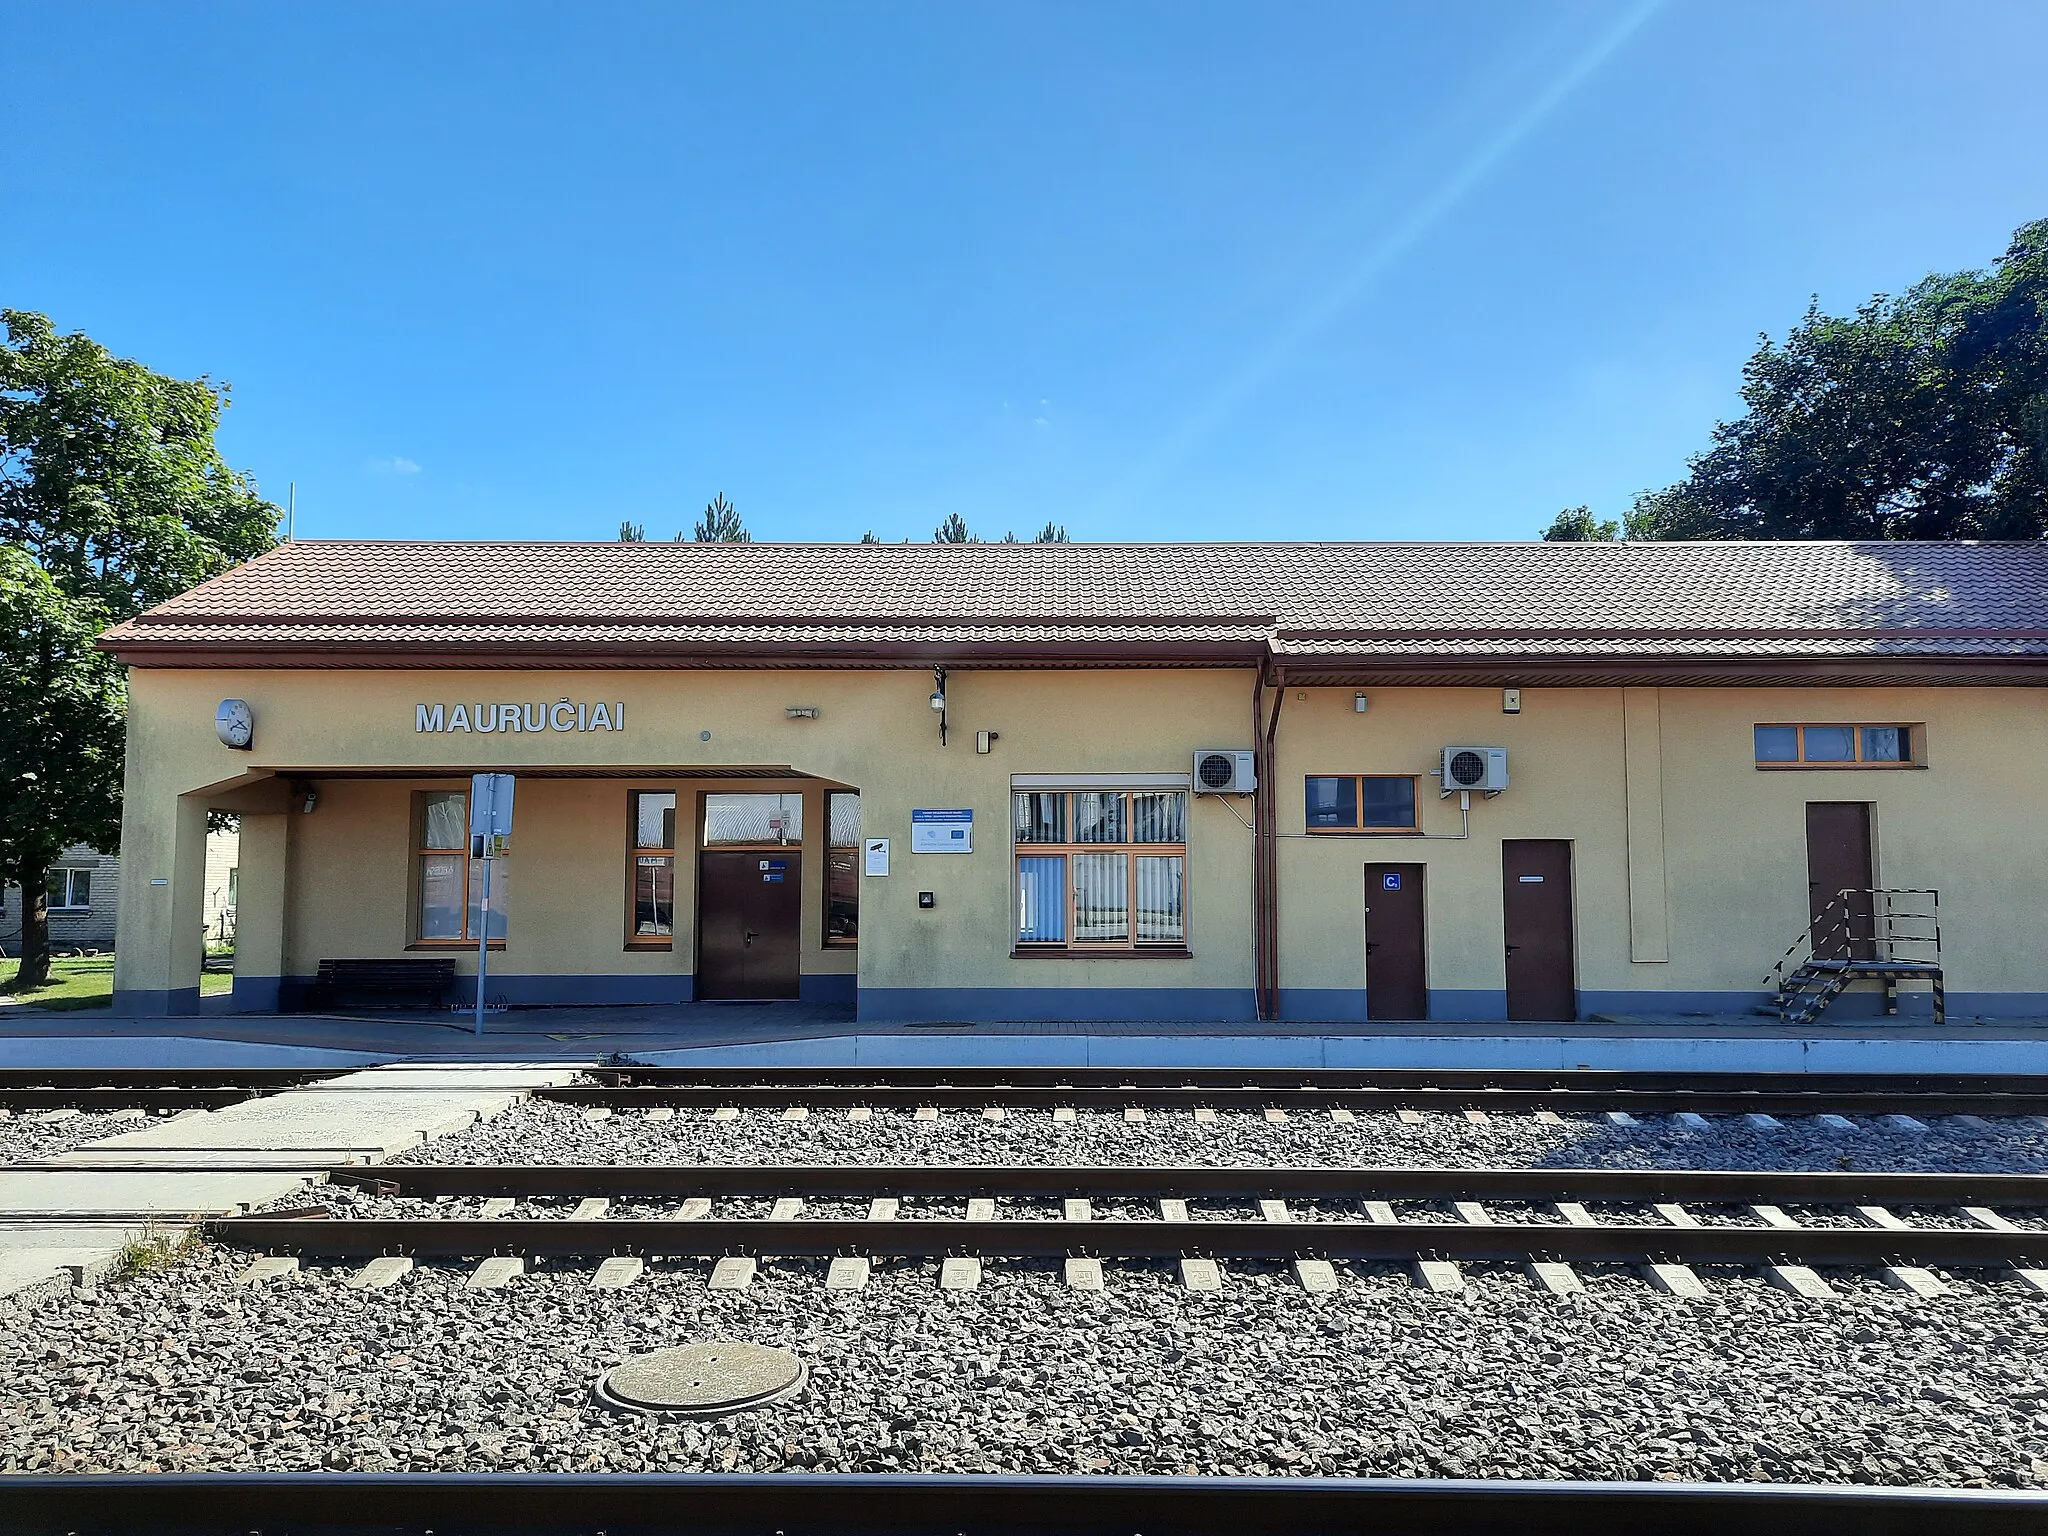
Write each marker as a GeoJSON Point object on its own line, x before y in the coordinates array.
{"type": "Point", "coordinates": [25, 1090]}
{"type": "Point", "coordinates": [900, 1504]}
{"type": "Point", "coordinates": [1377, 1090]}
{"type": "Point", "coordinates": [1544, 1220]}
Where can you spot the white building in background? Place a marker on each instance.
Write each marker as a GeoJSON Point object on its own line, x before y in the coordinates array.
{"type": "Point", "coordinates": [85, 893]}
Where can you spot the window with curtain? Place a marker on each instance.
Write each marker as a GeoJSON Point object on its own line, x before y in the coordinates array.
{"type": "Point", "coordinates": [842, 867]}
{"type": "Point", "coordinates": [753, 821]}
{"type": "Point", "coordinates": [451, 883]}
{"type": "Point", "coordinates": [1101, 869]}
{"type": "Point", "coordinates": [651, 870]}
{"type": "Point", "coordinates": [68, 890]}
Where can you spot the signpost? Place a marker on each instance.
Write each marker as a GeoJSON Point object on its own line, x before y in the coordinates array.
{"type": "Point", "coordinates": [490, 837]}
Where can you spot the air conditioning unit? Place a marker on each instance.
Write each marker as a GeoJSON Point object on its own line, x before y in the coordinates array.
{"type": "Point", "coordinates": [1483, 768]}
{"type": "Point", "coordinates": [1225, 772]}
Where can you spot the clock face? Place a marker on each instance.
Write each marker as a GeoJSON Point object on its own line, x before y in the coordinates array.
{"type": "Point", "coordinates": [234, 723]}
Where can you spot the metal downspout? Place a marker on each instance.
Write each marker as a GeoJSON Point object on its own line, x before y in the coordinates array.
{"type": "Point", "coordinates": [1265, 827]}
{"type": "Point", "coordinates": [1258, 852]}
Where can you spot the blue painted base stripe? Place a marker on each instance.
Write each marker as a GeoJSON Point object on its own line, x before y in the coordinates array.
{"type": "Point", "coordinates": [1025, 1004]}
{"type": "Point", "coordinates": [256, 994]}
{"type": "Point", "coordinates": [841, 991]}
{"type": "Point", "coordinates": [176, 1001]}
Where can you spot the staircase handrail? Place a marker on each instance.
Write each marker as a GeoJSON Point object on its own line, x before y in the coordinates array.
{"type": "Point", "coordinates": [1835, 922]}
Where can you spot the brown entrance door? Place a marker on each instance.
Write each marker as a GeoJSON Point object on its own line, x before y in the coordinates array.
{"type": "Point", "coordinates": [1396, 977]}
{"type": "Point", "coordinates": [1838, 859]}
{"type": "Point", "coordinates": [1536, 876]}
{"type": "Point", "coordinates": [749, 923]}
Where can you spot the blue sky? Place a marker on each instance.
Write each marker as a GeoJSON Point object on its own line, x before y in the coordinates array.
{"type": "Point", "coordinates": [1176, 270]}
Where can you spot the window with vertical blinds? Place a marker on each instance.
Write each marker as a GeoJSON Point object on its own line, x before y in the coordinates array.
{"type": "Point", "coordinates": [1100, 869]}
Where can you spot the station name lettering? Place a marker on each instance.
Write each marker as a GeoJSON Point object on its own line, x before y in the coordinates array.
{"type": "Point", "coordinates": [486, 718]}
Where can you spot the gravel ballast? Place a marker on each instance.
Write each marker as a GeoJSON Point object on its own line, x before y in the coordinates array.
{"type": "Point", "coordinates": [540, 1131]}
{"type": "Point", "coordinates": [180, 1371]}
{"type": "Point", "coordinates": [25, 1137]}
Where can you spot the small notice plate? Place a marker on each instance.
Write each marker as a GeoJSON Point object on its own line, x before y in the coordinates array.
{"type": "Point", "coordinates": [942, 831]}
{"type": "Point", "coordinates": [876, 854]}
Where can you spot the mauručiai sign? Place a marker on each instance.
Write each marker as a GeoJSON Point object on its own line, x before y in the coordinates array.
{"type": "Point", "coordinates": [564, 715]}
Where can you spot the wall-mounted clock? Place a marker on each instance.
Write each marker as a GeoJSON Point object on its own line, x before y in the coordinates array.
{"type": "Point", "coordinates": [235, 724]}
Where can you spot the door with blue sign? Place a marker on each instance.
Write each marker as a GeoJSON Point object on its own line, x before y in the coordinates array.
{"type": "Point", "coordinates": [749, 923]}
{"type": "Point", "coordinates": [1396, 964]}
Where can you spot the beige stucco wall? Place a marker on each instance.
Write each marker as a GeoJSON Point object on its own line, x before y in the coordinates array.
{"type": "Point", "coordinates": [349, 860]}
{"type": "Point", "coordinates": [1682, 848]}
{"type": "Point", "coordinates": [1728, 875]}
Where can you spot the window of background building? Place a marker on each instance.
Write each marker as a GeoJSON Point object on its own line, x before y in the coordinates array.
{"type": "Point", "coordinates": [69, 890]}
{"type": "Point", "coordinates": [1353, 802]}
{"type": "Point", "coordinates": [1837, 746]}
{"type": "Point", "coordinates": [652, 872]}
{"type": "Point", "coordinates": [1101, 869]}
{"type": "Point", "coordinates": [842, 867]}
{"type": "Point", "coordinates": [753, 821]}
{"type": "Point", "coordinates": [451, 882]}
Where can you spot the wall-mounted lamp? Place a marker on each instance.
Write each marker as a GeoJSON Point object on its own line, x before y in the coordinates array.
{"type": "Point", "coordinates": [309, 798]}
{"type": "Point", "coordinates": [983, 740]}
{"type": "Point", "coordinates": [938, 700]}
{"type": "Point", "coordinates": [1358, 703]}
{"type": "Point", "coordinates": [1511, 701]}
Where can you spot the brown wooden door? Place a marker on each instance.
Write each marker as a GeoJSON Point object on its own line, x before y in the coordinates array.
{"type": "Point", "coordinates": [1536, 878]}
{"type": "Point", "coordinates": [1396, 974]}
{"type": "Point", "coordinates": [1838, 859]}
{"type": "Point", "coordinates": [749, 924]}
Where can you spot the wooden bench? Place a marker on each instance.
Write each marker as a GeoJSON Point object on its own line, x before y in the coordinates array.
{"type": "Point", "coordinates": [428, 978]}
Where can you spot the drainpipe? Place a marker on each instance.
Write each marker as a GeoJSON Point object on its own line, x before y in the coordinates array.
{"type": "Point", "coordinates": [1265, 832]}
{"type": "Point", "coordinates": [1271, 801]}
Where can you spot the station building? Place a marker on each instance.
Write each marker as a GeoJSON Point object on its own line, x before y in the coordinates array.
{"type": "Point", "coordinates": [1312, 782]}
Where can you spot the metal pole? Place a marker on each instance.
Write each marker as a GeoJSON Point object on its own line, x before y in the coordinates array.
{"type": "Point", "coordinates": [483, 944]}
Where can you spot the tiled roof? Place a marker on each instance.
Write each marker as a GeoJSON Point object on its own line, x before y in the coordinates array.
{"type": "Point", "coordinates": [1290, 600]}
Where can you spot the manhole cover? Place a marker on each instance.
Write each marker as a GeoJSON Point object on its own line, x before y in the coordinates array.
{"type": "Point", "coordinates": [702, 1381]}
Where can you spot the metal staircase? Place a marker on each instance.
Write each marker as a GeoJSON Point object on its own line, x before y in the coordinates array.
{"type": "Point", "coordinates": [1862, 935]}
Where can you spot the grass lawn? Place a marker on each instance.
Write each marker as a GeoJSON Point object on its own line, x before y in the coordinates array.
{"type": "Point", "coordinates": [89, 984]}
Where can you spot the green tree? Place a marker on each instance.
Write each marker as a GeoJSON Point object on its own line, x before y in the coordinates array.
{"type": "Point", "coordinates": [952, 531]}
{"type": "Point", "coordinates": [720, 524]}
{"type": "Point", "coordinates": [113, 497]}
{"type": "Point", "coordinates": [1052, 533]}
{"type": "Point", "coordinates": [632, 533]}
{"type": "Point", "coordinates": [1577, 525]}
{"type": "Point", "coordinates": [1923, 416]}
{"type": "Point", "coordinates": [869, 537]}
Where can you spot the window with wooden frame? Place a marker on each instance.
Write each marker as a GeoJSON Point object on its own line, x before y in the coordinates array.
{"type": "Point", "coordinates": [1361, 802]}
{"type": "Point", "coordinates": [1800, 745]}
{"type": "Point", "coordinates": [651, 869]}
{"type": "Point", "coordinates": [451, 883]}
{"type": "Point", "coordinates": [842, 868]}
{"type": "Point", "coordinates": [1101, 870]}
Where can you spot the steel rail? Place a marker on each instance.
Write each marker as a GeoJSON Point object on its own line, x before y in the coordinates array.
{"type": "Point", "coordinates": [1331, 1077]}
{"type": "Point", "coordinates": [1625, 1243]}
{"type": "Point", "coordinates": [102, 1100]}
{"type": "Point", "coordinates": [1642, 1185]}
{"type": "Point", "coordinates": [163, 1077]}
{"type": "Point", "coordinates": [1238, 1097]}
{"type": "Point", "coordinates": [920, 1504]}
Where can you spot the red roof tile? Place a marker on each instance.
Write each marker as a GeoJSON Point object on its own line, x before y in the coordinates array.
{"type": "Point", "coordinates": [1291, 600]}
